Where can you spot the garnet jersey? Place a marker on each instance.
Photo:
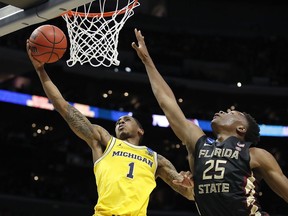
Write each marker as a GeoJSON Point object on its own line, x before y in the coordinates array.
{"type": "Point", "coordinates": [224, 182]}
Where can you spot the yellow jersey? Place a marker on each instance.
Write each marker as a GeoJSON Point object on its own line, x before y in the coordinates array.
{"type": "Point", "coordinates": [125, 178]}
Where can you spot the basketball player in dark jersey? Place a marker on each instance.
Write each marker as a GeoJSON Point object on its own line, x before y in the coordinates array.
{"type": "Point", "coordinates": [227, 170]}
{"type": "Point", "coordinates": [125, 172]}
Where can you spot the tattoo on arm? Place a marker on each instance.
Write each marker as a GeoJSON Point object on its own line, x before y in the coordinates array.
{"type": "Point", "coordinates": [79, 123]}
{"type": "Point", "coordinates": [171, 172]}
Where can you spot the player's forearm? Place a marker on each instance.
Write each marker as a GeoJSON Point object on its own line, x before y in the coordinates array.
{"type": "Point", "coordinates": [50, 89]}
{"type": "Point", "coordinates": [186, 192]}
{"type": "Point", "coordinates": [160, 88]}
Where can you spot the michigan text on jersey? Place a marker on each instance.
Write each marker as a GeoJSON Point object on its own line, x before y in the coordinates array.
{"type": "Point", "coordinates": [134, 156]}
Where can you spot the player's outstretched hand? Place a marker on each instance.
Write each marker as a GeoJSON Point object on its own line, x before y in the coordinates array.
{"type": "Point", "coordinates": [186, 181]}
{"type": "Point", "coordinates": [141, 49]}
{"type": "Point", "coordinates": [37, 65]}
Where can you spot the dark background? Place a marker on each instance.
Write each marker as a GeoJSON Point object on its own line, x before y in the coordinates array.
{"type": "Point", "coordinates": [202, 48]}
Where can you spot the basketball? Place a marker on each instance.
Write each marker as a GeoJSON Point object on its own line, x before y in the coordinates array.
{"type": "Point", "coordinates": [48, 43]}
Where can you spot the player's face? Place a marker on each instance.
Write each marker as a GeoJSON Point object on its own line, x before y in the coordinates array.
{"type": "Point", "coordinates": [126, 127]}
{"type": "Point", "coordinates": [228, 120]}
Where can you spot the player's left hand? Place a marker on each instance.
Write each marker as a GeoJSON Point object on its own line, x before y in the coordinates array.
{"type": "Point", "coordinates": [37, 64]}
{"type": "Point", "coordinates": [186, 180]}
{"type": "Point", "coordinates": [141, 49]}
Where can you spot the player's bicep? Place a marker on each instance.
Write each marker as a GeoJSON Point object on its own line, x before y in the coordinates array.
{"type": "Point", "coordinates": [83, 128]}
{"type": "Point", "coordinates": [165, 169]}
{"type": "Point", "coordinates": [273, 175]}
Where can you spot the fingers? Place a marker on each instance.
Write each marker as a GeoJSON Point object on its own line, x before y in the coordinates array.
{"type": "Point", "coordinates": [27, 45]}
{"type": "Point", "coordinates": [28, 49]}
{"type": "Point", "coordinates": [140, 39]}
{"type": "Point", "coordinates": [134, 45]}
{"type": "Point", "coordinates": [34, 61]}
{"type": "Point", "coordinates": [182, 173]}
{"type": "Point", "coordinates": [138, 35]}
{"type": "Point", "coordinates": [187, 174]}
{"type": "Point", "coordinates": [176, 182]}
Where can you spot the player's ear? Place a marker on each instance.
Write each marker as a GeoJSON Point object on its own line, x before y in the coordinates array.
{"type": "Point", "coordinates": [141, 131]}
{"type": "Point", "coordinates": [241, 130]}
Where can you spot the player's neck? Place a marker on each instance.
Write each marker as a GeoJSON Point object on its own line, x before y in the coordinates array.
{"type": "Point", "coordinates": [132, 141]}
{"type": "Point", "coordinates": [222, 137]}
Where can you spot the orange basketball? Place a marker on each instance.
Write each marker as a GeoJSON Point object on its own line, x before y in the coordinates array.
{"type": "Point", "coordinates": [48, 43]}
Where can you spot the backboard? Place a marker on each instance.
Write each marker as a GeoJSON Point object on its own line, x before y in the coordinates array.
{"type": "Point", "coordinates": [15, 14]}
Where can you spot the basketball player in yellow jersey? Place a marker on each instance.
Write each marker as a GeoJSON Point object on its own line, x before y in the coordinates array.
{"type": "Point", "coordinates": [125, 172]}
{"type": "Point", "coordinates": [131, 181]}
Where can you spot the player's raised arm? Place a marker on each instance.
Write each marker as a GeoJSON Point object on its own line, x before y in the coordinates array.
{"type": "Point", "coordinates": [185, 130]}
{"type": "Point", "coordinates": [81, 126]}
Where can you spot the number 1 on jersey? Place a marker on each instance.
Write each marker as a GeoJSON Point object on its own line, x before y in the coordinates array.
{"type": "Point", "coordinates": [131, 170]}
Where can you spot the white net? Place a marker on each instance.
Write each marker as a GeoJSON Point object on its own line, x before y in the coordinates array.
{"type": "Point", "coordinates": [94, 36]}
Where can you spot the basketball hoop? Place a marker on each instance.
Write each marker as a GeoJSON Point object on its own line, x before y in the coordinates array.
{"type": "Point", "coordinates": [94, 36]}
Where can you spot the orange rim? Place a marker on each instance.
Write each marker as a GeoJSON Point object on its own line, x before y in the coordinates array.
{"type": "Point", "coordinates": [105, 14]}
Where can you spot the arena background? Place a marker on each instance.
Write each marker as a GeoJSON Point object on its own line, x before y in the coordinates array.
{"type": "Point", "coordinates": [203, 48]}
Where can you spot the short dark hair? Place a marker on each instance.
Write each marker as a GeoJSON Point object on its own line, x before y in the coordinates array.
{"type": "Point", "coordinates": [138, 123]}
{"type": "Point", "coordinates": [253, 130]}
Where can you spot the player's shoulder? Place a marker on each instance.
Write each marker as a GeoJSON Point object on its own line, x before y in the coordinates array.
{"type": "Point", "coordinates": [259, 151]}
{"type": "Point", "coordinates": [204, 140]}
{"type": "Point", "coordinates": [259, 157]}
